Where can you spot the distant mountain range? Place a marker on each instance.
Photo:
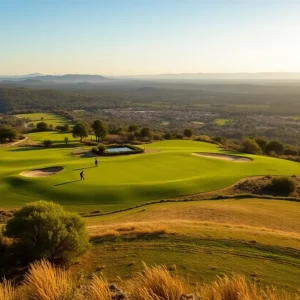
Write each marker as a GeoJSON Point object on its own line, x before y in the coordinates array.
{"type": "Point", "coordinates": [67, 78]}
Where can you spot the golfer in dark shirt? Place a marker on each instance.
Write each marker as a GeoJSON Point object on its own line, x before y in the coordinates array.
{"type": "Point", "coordinates": [82, 175]}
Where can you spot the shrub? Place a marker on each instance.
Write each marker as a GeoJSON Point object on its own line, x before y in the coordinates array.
{"type": "Point", "coordinates": [45, 230]}
{"type": "Point", "coordinates": [188, 132]}
{"type": "Point", "coordinates": [168, 136]}
{"type": "Point", "coordinates": [45, 282]}
{"type": "Point", "coordinates": [42, 126]}
{"type": "Point", "coordinates": [282, 185]}
{"type": "Point", "coordinates": [275, 146]}
{"type": "Point", "coordinates": [204, 138]}
{"type": "Point", "coordinates": [290, 151]}
{"type": "Point", "coordinates": [156, 283]}
{"type": "Point", "coordinates": [220, 140]}
{"type": "Point", "coordinates": [250, 146]}
{"type": "Point", "coordinates": [101, 148]}
{"type": "Point", "coordinates": [47, 143]}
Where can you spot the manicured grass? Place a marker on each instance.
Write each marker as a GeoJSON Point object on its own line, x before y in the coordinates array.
{"type": "Point", "coordinates": [124, 181]}
{"type": "Point", "coordinates": [221, 122]}
{"type": "Point", "coordinates": [49, 118]}
{"type": "Point", "coordinates": [256, 237]}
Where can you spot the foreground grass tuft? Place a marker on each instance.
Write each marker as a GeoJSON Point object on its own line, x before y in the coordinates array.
{"type": "Point", "coordinates": [156, 283]}
{"type": "Point", "coordinates": [45, 282]}
{"type": "Point", "coordinates": [7, 291]}
{"type": "Point", "coordinates": [98, 289]}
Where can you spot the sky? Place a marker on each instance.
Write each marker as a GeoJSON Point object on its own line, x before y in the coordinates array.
{"type": "Point", "coordinates": [132, 37]}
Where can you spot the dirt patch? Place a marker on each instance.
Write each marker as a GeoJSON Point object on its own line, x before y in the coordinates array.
{"type": "Point", "coordinates": [42, 172]}
{"type": "Point", "coordinates": [234, 158]}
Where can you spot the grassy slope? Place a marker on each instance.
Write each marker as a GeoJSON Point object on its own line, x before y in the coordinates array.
{"type": "Point", "coordinates": [259, 238]}
{"type": "Point", "coordinates": [125, 181]}
{"type": "Point", "coordinates": [49, 118]}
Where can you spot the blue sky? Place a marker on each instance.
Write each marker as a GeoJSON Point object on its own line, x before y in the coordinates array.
{"type": "Point", "coordinates": [113, 37]}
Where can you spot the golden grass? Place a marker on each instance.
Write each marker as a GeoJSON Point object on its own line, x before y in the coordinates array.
{"type": "Point", "coordinates": [236, 287]}
{"type": "Point", "coordinates": [98, 289]}
{"type": "Point", "coordinates": [156, 283]}
{"type": "Point", "coordinates": [45, 282]}
{"type": "Point", "coordinates": [124, 229]}
{"type": "Point", "coordinates": [7, 291]}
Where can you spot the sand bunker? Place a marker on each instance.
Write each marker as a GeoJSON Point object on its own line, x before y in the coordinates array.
{"type": "Point", "coordinates": [42, 172]}
{"type": "Point", "coordinates": [224, 156]}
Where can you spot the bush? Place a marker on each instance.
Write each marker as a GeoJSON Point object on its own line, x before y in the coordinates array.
{"type": "Point", "coordinates": [45, 230]}
{"type": "Point", "coordinates": [290, 151]}
{"type": "Point", "coordinates": [42, 126]}
{"type": "Point", "coordinates": [188, 132]}
{"type": "Point", "coordinates": [282, 185]}
{"type": "Point", "coordinates": [274, 146]}
{"type": "Point", "coordinates": [250, 146]}
{"type": "Point", "coordinates": [47, 143]}
{"type": "Point", "coordinates": [101, 148]}
{"type": "Point", "coordinates": [204, 138]}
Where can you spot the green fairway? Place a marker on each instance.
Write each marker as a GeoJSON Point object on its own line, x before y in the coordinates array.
{"type": "Point", "coordinates": [49, 118]}
{"type": "Point", "coordinates": [221, 122]}
{"type": "Point", "coordinates": [169, 169]}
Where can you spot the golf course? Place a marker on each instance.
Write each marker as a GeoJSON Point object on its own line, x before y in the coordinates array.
{"type": "Point", "coordinates": [167, 169]}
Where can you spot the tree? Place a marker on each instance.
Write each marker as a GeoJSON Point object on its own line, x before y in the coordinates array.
{"type": "Point", "coordinates": [274, 146]}
{"type": "Point", "coordinates": [42, 126]}
{"type": "Point", "coordinates": [100, 130]}
{"type": "Point", "coordinates": [45, 230]}
{"type": "Point", "coordinates": [66, 128]}
{"type": "Point", "coordinates": [168, 136]}
{"type": "Point", "coordinates": [133, 128]}
{"type": "Point", "coordinates": [8, 133]}
{"type": "Point", "coordinates": [188, 132]}
{"type": "Point", "coordinates": [250, 146]}
{"type": "Point", "coordinates": [146, 133]}
{"type": "Point", "coordinates": [47, 143]}
{"type": "Point", "coordinates": [261, 142]}
{"type": "Point", "coordinates": [66, 139]}
{"type": "Point", "coordinates": [80, 130]}
{"type": "Point", "coordinates": [282, 185]}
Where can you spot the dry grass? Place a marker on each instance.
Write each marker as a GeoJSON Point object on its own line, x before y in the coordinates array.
{"type": "Point", "coordinates": [156, 283]}
{"type": "Point", "coordinates": [7, 291]}
{"type": "Point", "coordinates": [127, 229]}
{"type": "Point", "coordinates": [45, 282]}
{"type": "Point", "coordinates": [98, 289]}
{"type": "Point", "coordinates": [236, 287]}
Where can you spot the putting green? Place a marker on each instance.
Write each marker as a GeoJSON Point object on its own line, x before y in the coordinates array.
{"type": "Point", "coordinates": [124, 181]}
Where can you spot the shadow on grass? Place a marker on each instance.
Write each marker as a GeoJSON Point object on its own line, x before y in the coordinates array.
{"type": "Point", "coordinates": [68, 182]}
{"type": "Point", "coordinates": [27, 148]}
{"type": "Point", "coordinates": [84, 168]}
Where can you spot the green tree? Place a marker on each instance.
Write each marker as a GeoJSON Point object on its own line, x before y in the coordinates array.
{"type": "Point", "coordinates": [42, 126]}
{"type": "Point", "coordinates": [66, 128]}
{"type": "Point", "coordinates": [45, 230]}
{"type": "Point", "coordinates": [146, 133]}
{"type": "Point", "coordinates": [80, 130]}
{"type": "Point", "coordinates": [133, 128]}
{"type": "Point", "coordinates": [188, 132]}
{"type": "Point", "coordinates": [274, 146]}
{"type": "Point", "coordinates": [8, 133]}
{"type": "Point", "coordinates": [100, 130]}
{"type": "Point", "coordinates": [261, 142]}
{"type": "Point", "coordinates": [47, 143]}
{"type": "Point", "coordinates": [250, 146]}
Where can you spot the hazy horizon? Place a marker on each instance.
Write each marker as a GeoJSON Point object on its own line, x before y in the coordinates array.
{"type": "Point", "coordinates": [131, 37]}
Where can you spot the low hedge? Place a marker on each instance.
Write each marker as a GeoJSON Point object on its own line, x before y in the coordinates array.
{"type": "Point", "coordinates": [135, 150]}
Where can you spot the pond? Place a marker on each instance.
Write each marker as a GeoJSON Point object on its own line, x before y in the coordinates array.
{"type": "Point", "coordinates": [118, 149]}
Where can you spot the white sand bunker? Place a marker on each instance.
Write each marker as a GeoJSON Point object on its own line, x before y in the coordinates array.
{"type": "Point", "coordinates": [42, 172]}
{"type": "Point", "coordinates": [223, 156]}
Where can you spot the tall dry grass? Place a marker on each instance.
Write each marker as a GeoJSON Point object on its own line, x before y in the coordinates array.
{"type": "Point", "coordinates": [127, 229]}
{"type": "Point", "coordinates": [46, 282]}
{"type": "Point", "coordinates": [7, 291]}
{"type": "Point", "coordinates": [98, 289]}
{"type": "Point", "coordinates": [156, 283]}
{"type": "Point", "coordinates": [236, 287]}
